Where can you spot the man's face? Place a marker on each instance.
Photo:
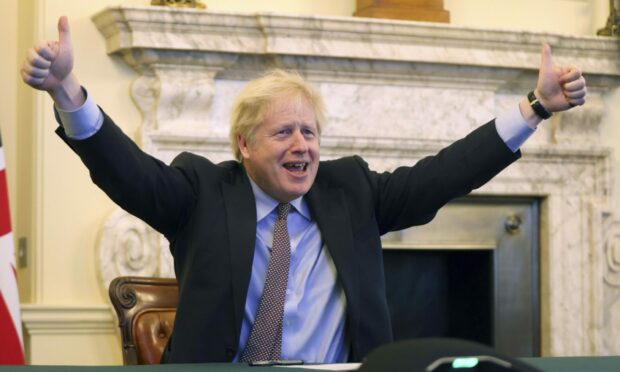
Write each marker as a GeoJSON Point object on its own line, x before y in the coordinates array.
{"type": "Point", "coordinates": [283, 156]}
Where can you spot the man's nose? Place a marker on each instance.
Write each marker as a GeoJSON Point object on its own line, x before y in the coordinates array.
{"type": "Point", "coordinates": [300, 143]}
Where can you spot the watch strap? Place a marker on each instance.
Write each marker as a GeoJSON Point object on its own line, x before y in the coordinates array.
{"type": "Point", "coordinates": [538, 108]}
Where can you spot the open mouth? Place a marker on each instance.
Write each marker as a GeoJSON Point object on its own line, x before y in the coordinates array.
{"type": "Point", "coordinates": [296, 166]}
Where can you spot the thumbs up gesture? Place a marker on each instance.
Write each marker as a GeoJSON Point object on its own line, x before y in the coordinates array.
{"type": "Point", "coordinates": [559, 87]}
{"type": "Point", "coordinates": [48, 67]}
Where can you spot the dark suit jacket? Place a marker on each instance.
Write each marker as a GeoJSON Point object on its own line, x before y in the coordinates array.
{"type": "Point", "coordinates": [207, 211]}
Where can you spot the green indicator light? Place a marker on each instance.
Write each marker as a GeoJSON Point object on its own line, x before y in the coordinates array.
{"type": "Point", "coordinates": [464, 363]}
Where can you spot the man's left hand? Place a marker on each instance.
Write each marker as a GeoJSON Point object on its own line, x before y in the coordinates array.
{"type": "Point", "coordinates": [559, 87]}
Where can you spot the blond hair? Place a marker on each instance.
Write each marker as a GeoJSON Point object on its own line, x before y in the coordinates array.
{"type": "Point", "coordinates": [253, 102]}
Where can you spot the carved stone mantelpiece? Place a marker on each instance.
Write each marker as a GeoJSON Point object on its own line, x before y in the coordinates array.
{"type": "Point", "coordinates": [395, 92]}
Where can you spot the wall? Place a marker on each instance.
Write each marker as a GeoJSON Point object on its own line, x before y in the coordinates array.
{"type": "Point", "coordinates": [575, 17]}
{"type": "Point", "coordinates": [59, 210]}
{"type": "Point", "coordinates": [8, 104]}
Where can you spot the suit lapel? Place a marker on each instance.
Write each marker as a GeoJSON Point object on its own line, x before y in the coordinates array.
{"type": "Point", "coordinates": [241, 221]}
{"type": "Point", "coordinates": [332, 216]}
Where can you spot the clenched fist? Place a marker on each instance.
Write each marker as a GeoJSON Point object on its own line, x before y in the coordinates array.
{"type": "Point", "coordinates": [559, 87]}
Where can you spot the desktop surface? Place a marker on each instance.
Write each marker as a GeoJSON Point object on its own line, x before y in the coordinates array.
{"type": "Point", "coordinates": [555, 364]}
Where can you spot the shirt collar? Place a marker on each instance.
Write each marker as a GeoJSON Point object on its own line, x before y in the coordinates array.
{"type": "Point", "coordinates": [265, 203]}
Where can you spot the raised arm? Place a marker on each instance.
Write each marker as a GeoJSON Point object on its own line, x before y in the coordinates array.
{"type": "Point", "coordinates": [49, 66]}
{"type": "Point", "coordinates": [161, 195]}
{"type": "Point", "coordinates": [412, 195]}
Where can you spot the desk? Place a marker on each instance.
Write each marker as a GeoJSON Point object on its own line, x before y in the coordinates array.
{"type": "Point", "coordinates": [576, 364]}
{"type": "Point", "coordinates": [566, 364]}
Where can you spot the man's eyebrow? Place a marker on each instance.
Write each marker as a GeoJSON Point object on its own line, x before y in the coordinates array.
{"type": "Point", "coordinates": [302, 124]}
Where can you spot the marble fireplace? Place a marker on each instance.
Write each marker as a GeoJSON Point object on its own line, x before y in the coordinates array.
{"type": "Point", "coordinates": [395, 91]}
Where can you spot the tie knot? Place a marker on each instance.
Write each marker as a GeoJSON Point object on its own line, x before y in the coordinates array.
{"type": "Point", "coordinates": [283, 209]}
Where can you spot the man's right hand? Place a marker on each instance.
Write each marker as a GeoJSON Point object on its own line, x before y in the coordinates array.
{"type": "Point", "coordinates": [48, 67]}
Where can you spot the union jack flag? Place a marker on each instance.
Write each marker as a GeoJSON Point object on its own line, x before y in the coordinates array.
{"type": "Point", "coordinates": [11, 339]}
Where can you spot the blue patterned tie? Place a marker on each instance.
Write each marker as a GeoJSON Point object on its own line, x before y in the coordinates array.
{"type": "Point", "coordinates": [265, 340]}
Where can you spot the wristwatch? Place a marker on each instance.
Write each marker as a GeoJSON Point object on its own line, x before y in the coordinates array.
{"type": "Point", "coordinates": [538, 108]}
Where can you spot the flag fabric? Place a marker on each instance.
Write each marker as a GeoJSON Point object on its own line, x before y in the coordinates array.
{"type": "Point", "coordinates": [11, 339]}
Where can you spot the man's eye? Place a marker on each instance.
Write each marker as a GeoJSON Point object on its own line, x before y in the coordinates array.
{"type": "Point", "coordinates": [308, 133]}
{"type": "Point", "coordinates": [283, 132]}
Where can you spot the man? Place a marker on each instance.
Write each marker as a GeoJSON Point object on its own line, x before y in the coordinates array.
{"type": "Point", "coordinates": [278, 255]}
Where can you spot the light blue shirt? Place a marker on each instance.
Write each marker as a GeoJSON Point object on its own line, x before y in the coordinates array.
{"type": "Point", "coordinates": [315, 304]}
{"type": "Point", "coordinates": [313, 328]}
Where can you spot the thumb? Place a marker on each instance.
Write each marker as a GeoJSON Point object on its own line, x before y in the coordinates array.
{"type": "Point", "coordinates": [546, 60]}
{"type": "Point", "coordinates": [64, 33]}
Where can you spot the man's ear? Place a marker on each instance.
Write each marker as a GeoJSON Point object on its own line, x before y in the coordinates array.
{"type": "Point", "coordinates": [243, 146]}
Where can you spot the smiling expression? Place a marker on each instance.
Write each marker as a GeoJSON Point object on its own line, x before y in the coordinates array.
{"type": "Point", "coordinates": [282, 158]}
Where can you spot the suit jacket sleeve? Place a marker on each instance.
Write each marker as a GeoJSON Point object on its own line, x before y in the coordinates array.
{"type": "Point", "coordinates": [411, 196]}
{"type": "Point", "coordinates": [161, 195]}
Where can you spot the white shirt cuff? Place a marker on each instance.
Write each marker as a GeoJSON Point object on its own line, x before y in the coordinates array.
{"type": "Point", "coordinates": [513, 129]}
{"type": "Point", "coordinates": [82, 122]}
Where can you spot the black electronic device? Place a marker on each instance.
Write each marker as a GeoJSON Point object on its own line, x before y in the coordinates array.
{"type": "Point", "coordinates": [440, 355]}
